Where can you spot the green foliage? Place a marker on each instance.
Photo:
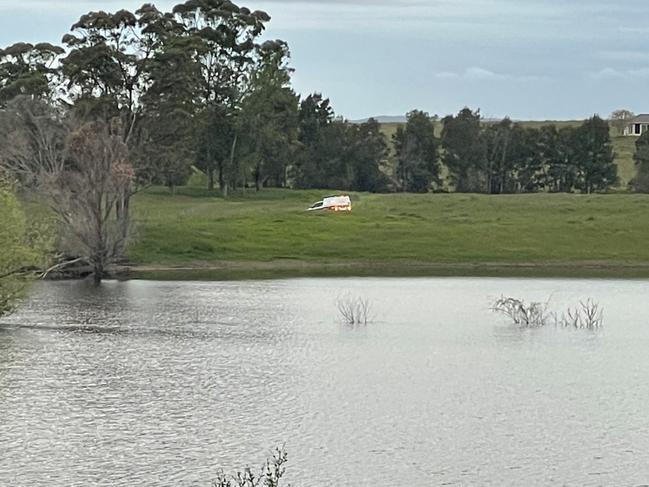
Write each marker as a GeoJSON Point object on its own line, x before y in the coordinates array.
{"type": "Point", "coordinates": [368, 153]}
{"type": "Point", "coordinates": [169, 127]}
{"type": "Point", "coordinates": [416, 150]}
{"type": "Point", "coordinates": [321, 138]}
{"type": "Point", "coordinates": [269, 115]}
{"type": "Point", "coordinates": [105, 65]}
{"type": "Point", "coordinates": [502, 140]}
{"type": "Point", "coordinates": [465, 151]}
{"type": "Point", "coordinates": [214, 152]}
{"type": "Point", "coordinates": [336, 154]}
{"type": "Point", "coordinates": [27, 69]}
{"type": "Point", "coordinates": [594, 156]}
{"type": "Point", "coordinates": [24, 245]}
{"type": "Point", "coordinates": [504, 157]}
{"type": "Point", "coordinates": [225, 36]}
{"type": "Point", "coordinates": [518, 158]}
{"type": "Point", "coordinates": [196, 86]}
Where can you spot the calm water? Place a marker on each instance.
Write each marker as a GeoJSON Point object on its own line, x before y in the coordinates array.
{"type": "Point", "coordinates": [160, 384]}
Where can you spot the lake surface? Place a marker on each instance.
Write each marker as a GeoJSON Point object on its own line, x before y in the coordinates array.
{"type": "Point", "coordinates": [163, 383]}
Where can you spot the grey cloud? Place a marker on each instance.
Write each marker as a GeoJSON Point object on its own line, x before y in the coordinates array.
{"type": "Point", "coordinates": [613, 73]}
{"type": "Point", "coordinates": [477, 73]}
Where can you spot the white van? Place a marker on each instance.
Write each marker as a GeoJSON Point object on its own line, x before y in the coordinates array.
{"type": "Point", "coordinates": [333, 203]}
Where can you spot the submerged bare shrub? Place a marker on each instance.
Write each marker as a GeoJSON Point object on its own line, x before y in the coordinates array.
{"type": "Point", "coordinates": [269, 475]}
{"type": "Point", "coordinates": [529, 315]}
{"type": "Point", "coordinates": [588, 315]}
{"type": "Point", "coordinates": [354, 310]}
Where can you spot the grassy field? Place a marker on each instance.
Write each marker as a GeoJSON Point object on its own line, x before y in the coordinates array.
{"type": "Point", "coordinates": [268, 234]}
{"type": "Point", "coordinates": [624, 148]}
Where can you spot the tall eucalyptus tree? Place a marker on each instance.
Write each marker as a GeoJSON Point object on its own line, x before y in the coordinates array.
{"type": "Point", "coordinates": [227, 39]}
{"type": "Point", "coordinates": [28, 69]}
{"type": "Point", "coordinates": [269, 116]}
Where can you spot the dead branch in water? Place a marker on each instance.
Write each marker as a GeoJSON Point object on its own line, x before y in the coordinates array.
{"type": "Point", "coordinates": [354, 310]}
{"type": "Point", "coordinates": [588, 315]}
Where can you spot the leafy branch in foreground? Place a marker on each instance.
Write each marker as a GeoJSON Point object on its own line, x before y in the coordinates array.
{"type": "Point", "coordinates": [22, 247]}
{"type": "Point", "coordinates": [269, 476]}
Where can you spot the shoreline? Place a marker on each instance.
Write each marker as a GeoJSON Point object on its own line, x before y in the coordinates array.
{"type": "Point", "coordinates": [286, 268]}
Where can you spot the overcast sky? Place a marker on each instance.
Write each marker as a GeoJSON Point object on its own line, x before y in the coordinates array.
{"type": "Point", "coordinates": [529, 59]}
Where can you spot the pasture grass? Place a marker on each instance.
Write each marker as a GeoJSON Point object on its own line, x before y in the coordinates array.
{"type": "Point", "coordinates": [268, 234]}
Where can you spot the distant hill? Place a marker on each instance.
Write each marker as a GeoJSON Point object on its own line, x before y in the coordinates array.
{"type": "Point", "coordinates": [383, 119]}
{"type": "Point", "coordinates": [402, 119]}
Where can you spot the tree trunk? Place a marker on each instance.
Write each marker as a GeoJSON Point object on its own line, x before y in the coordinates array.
{"type": "Point", "coordinates": [123, 214]}
{"type": "Point", "coordinates": [97, 272]}
{"type": "Point", "coordinates": [258, 177]}
{"type": "Point", "coordinates": [224, 184]}
{"type": "Point", "coordinates": [210, 179]}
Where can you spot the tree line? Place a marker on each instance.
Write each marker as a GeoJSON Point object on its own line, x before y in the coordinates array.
{"type": "Point", "coordinates": [461, 153]}
{"type": "Point", "coordinates": [197, 87]}
{"type": "Point", "coordinates": [137, 98]}
{"type": "Point", "coordinates": [131, 99]}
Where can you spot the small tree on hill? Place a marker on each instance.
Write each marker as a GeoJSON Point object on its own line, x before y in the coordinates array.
{"type": "Point", "coordinates": [620, 118]}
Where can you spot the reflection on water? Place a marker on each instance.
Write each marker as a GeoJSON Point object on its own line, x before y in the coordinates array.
{"type": "Point", "coordinates": [160, 384]}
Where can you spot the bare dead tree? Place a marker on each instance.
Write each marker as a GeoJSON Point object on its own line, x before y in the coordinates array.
{"type": "Point", "coordinates": [82, 171]}
{"type": "Point", "coordinates": [588, 315]}
{"type": "Point", "coordinates": [620, 118]}
{"type": "Point", "coordinates": [524, 314]}
{"type": "Point", "coordinates": [86, 194]}
{"type": "Point", "coordinates": [354, 310]}
{"type": "Point", "coordinates": [32, 140]}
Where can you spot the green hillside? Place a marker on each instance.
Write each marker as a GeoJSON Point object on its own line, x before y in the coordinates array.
{"type": "Point", "coordinates": [269, 233]}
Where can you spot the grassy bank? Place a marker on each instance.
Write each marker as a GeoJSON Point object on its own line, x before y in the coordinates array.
{"type": "Point", "coordinates": [269, 234]}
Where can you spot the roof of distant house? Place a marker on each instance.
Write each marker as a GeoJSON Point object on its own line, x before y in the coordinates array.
{"type": "Point", "coordinates": [641, 118]}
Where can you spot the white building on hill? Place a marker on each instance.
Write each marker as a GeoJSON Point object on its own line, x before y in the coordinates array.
{"type": "Point", "coordinates": [637, 125]}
